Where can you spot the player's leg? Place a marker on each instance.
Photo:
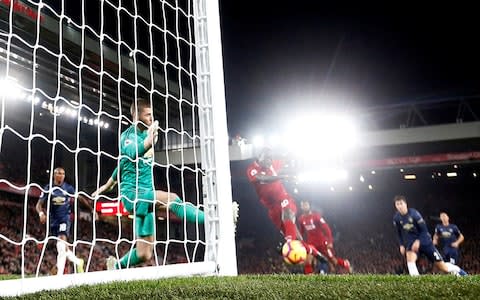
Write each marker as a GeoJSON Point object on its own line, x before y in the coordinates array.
{"type": "Point", "coordinates": [433, 255]}
{"type": "Point", "coordinates": [61, 257]}
{"type": "Point", "coordinates": [412, 263]}
{"type": "Point", "coordinates": [309, 265]}
{"type": "Point", "coordinates": [337, 261]}
{"type": "Point", "coordinates": [144, 229]}
{"type": "Point", "coordinates": [69, 254]}
{"type": "Point", "coordinates": [183, 210]}
{"type": "Point", "coordinates": [58, 229]}
{"type": "Point", "coordinates": [289, 211]}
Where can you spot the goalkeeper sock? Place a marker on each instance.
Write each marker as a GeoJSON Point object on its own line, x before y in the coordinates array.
{"type": "Point", "coordinates": [124, 261]}
{"type": "Point", "coordinates": [187, 211]}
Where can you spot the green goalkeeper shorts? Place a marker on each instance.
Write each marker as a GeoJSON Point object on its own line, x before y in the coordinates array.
{"type": "Point", "coordinates": [144, 204]}
{"type": "Point", "coordinates": [145, 225]}
{"type": "Point", "coordinates": [144, 216]}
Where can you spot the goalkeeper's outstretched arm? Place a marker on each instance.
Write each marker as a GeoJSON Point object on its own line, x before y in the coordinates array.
{"type": "Point", "coordinates": [107, 186]}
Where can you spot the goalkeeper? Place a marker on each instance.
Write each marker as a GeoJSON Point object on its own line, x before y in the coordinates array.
{"type": "Point", "coordinates": [137, 192]}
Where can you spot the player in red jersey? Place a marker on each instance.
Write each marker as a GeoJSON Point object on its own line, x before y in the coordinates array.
{"type": "Point", "coordinates": [264, 174]}
{"type": "Point", "coordinates": [317, 232]}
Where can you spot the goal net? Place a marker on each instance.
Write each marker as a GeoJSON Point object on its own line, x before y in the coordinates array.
{"type": "Point", "coordinates": [69, 73]}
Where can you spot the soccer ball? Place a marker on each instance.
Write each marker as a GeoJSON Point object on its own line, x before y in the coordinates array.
{"type": "Point", "coordinates": [294, 252]}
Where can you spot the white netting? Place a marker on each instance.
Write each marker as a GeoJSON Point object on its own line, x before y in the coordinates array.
{"type": "Point", "coordinates": [69, 71]}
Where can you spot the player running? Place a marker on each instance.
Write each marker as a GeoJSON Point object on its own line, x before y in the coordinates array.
{"type": "Point", "coordinates": [450, 237]}
{"type": "Point", "coordinates": [60, 194]}
{"type": "Point", "coordinates": [414, 239]}
{"type": "Point", "coordinates": [317, 232]}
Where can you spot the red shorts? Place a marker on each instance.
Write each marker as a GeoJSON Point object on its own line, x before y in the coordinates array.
{"type": "Point", "coordinates": [275, 210]}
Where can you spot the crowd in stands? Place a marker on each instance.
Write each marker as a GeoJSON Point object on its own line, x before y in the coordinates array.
{"type": "Point", "coordinates": [371, 247]}
{"type": "Point", "coordinates": [39, 256]}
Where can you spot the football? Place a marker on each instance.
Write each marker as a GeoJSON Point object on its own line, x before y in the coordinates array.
{"type": "Point", "coordinates": [294, 252]}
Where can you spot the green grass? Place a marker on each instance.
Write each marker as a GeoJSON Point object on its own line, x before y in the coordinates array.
{"type": "Point", "coordinates": [280, 287]}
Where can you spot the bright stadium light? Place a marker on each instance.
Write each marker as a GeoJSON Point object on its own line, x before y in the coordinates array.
{"type": "Point", "coordinates": [258, 141]}
{"type": "Point", "coordinates": [321, 136]}
{"type": "Point", "coordinates": [9, 89]}
{"type": "Point", "coordinates": [410, 177]}
{"type": "Point", "coordinates": [452, 174]}
{"type": "Point", "coordinates": [323, 175]}
{"type": "Point", "coordinates": [274, 140]}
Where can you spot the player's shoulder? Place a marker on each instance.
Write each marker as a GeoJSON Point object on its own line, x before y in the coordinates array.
{"type": "Point", "coordinates": [67, 186]}
{"type": "Point", "coordinates": [413, 212]}
{"type": "Point", "coordinates": [127, 132]}
{"type": "Point", "coordinates": [396, 216]}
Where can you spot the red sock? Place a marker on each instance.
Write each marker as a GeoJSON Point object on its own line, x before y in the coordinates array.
{"type": "Point", "coordinates": [341, 262]}
{"type": "Point", "coordinates": [311, 249]}
{"type": "Point", "coordinates": [290, 229]}
{"type": "Point", "coordinates": [307, 269]}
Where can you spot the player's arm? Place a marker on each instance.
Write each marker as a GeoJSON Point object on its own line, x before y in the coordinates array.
{"type": "Point", "coordinates": [107, 186]}
{"type": "Point", "coordinates": [435, 236]}
{"type": "Point", "coordinates": [398, 230]}
{"type": "Point", "coordinates": [460, 239]}
{"type": "Point", "coordinates": [134, 147]}
{"type": "Point", "coordinates": [323, 225]}
{"type": "Point", "coordinates": [40, 210]}
{"type": "Point", "coordinates": [270, 178]}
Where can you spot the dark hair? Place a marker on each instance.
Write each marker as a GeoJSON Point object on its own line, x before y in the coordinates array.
{"type": "Point", "coordinates": [399, 198]}
{"type": "Point", "coordinates": [141, 104]}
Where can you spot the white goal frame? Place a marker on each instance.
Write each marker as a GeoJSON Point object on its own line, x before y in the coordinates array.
{"type": "Point", "coordinates": [220, 250]}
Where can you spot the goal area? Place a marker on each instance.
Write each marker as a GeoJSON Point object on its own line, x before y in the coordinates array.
{"type": "Point", "coordinates": [69, 73]}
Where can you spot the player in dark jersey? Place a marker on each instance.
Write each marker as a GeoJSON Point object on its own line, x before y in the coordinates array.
{"type": "Point", "coordinates": [317, 233]}
{"type": "Point", "coordinates": [414, 239]}
{"type": "Point", "coordinates": [449, 237]}
{"type": "Point", "coordinates": [58, 197]}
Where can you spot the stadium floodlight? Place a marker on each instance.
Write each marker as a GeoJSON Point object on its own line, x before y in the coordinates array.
{"type": "Point", "coordinates": [9, 89]}
{"type": "Point", "coordinates": [258, 141]}
{"type": "Point", "coordinates": [274, 140]}
{"type": "Point", "coordinates": [410, 176]}
{"type": "Point", "coordinates": [326, 175]}
{"type": "Point", "coordinates": [321, 136]}
{"type": "Point", "coordinates": [452, 174]}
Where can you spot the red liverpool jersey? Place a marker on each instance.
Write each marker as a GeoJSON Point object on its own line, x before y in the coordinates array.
{"type": "Point", "coordinates": [317, 230]}
{"type": "Point", "coordinates": [271, 192]}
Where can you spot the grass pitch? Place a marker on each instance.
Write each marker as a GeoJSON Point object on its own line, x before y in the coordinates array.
{"type": "Point", "coordinates": [280, 287]}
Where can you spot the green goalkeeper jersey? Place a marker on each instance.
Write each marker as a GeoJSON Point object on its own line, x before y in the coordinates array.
{"type": "Point", "coordinates": [136, 176]}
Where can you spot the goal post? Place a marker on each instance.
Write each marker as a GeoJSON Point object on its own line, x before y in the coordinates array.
{"type": "Point", "coordinates": [215, 154]}
{"type": "Point", "coordinates": [93, 78]}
